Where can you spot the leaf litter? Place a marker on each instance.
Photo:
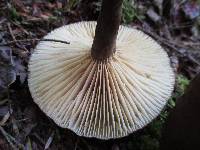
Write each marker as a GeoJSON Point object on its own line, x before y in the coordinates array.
{"type": "Point", "coordinates": [174, 24]}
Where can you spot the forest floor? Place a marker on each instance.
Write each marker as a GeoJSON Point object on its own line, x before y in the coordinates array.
{"type": "Point", "coordinates": [175, 24]}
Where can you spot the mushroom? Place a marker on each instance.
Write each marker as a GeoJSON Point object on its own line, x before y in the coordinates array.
{"type": "Point", "coordinates": [94, 91]}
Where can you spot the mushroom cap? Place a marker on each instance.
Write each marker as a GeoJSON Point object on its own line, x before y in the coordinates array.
{"type": "Point", "coordinates": [102, 99]}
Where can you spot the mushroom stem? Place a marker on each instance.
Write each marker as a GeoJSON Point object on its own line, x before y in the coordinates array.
{"type": "Point", "coordinates": [104, 44]}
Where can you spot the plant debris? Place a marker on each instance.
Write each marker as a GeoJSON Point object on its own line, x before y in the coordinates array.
{"type": "Point", "coordinates": [175, 24]}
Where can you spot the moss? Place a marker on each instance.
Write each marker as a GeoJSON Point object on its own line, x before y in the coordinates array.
{"type": "Point", "coordinates": [130, 11]}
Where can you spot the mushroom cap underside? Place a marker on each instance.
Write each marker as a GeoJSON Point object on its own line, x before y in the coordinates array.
{"type": "Point", "coordinates": [102, 99]}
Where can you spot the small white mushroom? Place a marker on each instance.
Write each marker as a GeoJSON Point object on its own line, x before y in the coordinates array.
{"type": "Point", "coordinates": [102, 99]}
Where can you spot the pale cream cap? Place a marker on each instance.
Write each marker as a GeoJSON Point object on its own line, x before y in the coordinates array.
{"type": "Point", "coordinates": [100, 99]}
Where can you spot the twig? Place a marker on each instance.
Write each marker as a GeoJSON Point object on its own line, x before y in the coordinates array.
{"type": "Point", "coordinates": [39, 138]}
{"type": "Point", "coordinates": [18, 25]}
{"type": "Point", "coordinates": [21, 120]}
{"type": "Point", "coordinates": [3, 101]}
{"type": "Point", "coordinates": [191, 44]}
{"type": "Point", "coordinates": [14, 39]}
{"type": "Point", "coordinates": [11, 32]}
{"type": "Point", "coordinates": [49, 141]}
{"type": "Point", "coordinates": [2, 20]}
{"type": "Point", "coordinates": [29, 40]}
{"type": "Point", "coordinates": [8, 138]}
{"type": "Point", "coordinates": [15, 141]}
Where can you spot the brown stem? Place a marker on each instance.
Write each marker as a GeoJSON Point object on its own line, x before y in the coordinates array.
{"type": "Point", "coordinates": [104, 44]}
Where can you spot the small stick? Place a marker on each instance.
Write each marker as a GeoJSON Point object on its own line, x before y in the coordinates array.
{"type": "Point", "coordinates": [13, 37]}
{"type": "Point", "coordinates": [7, 138]}
{"type": "Point", "coordinates": [29, 40]}
{"type": "Point", "coordinates": [11, 32]}
{"type": "Point", "coordinates": [18, 25]}
{"type": "Point", "coordinates": [39, 138]}
{"type": "Point", "coordinates": [191, 44]}
{"type": "Point", "coordinates": [15, 141]}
